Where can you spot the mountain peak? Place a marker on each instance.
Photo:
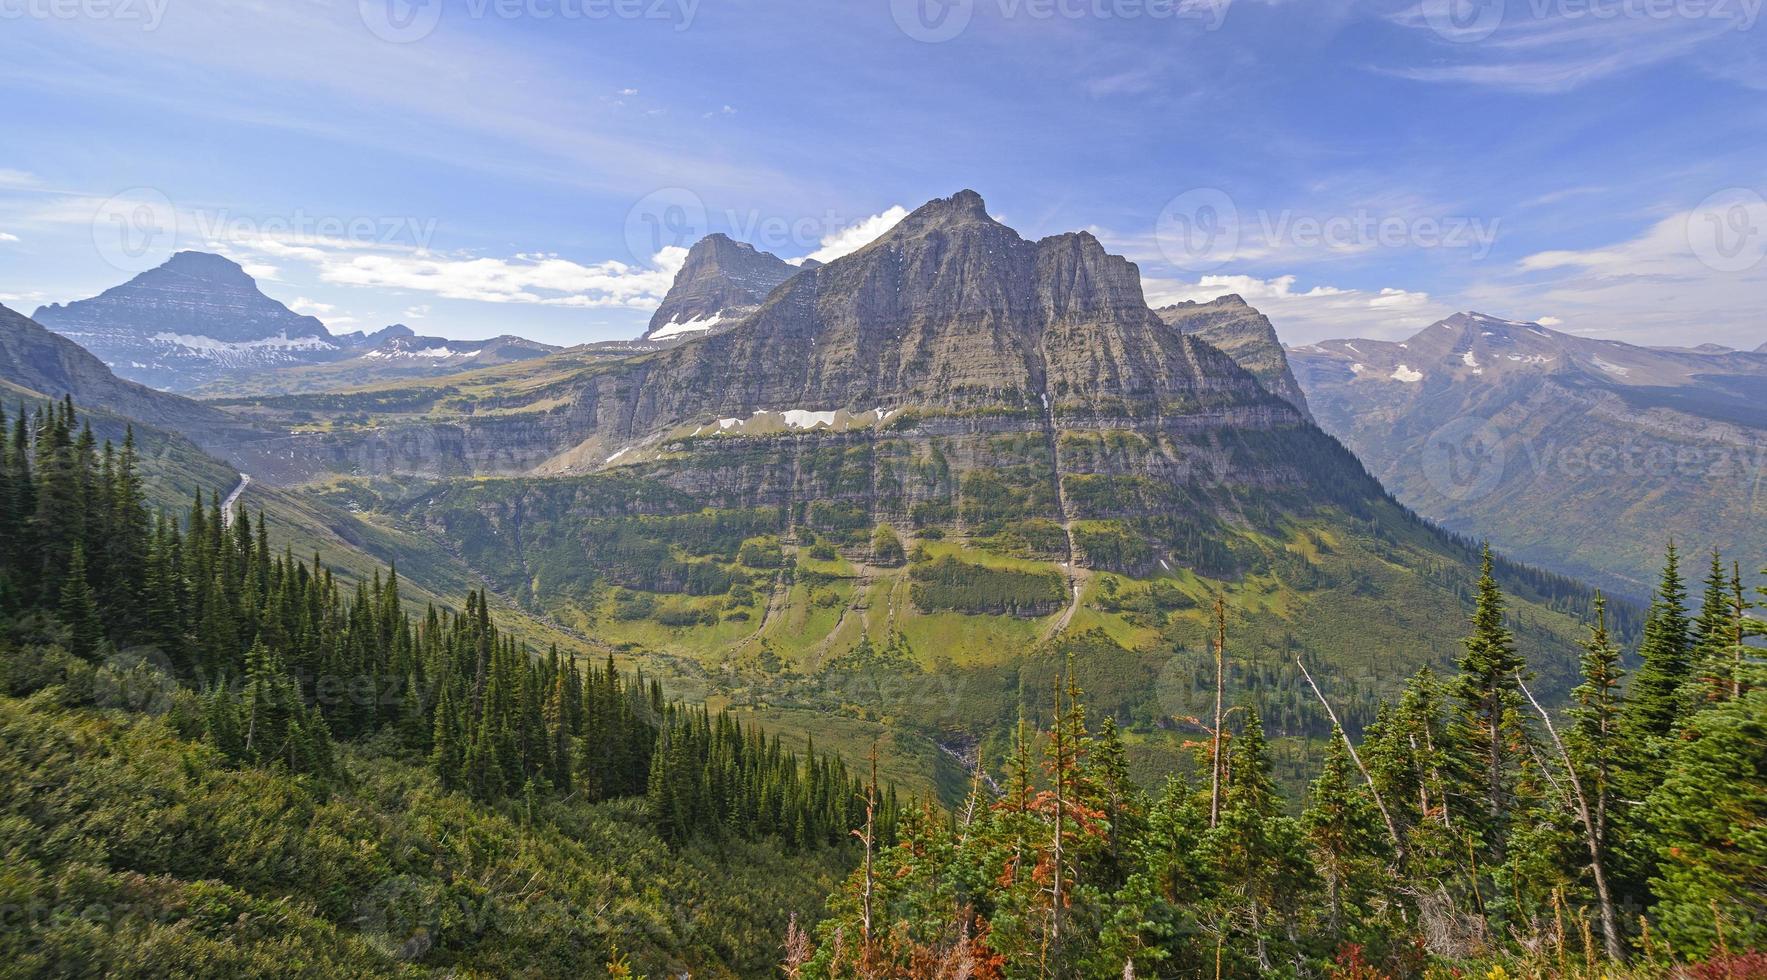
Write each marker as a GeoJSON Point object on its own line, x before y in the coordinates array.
{"type": "Point", "coordinates": [963, 207]}
{"type": "Point", "coordinates": [721, 281]}
{"type": "Point", "coordinates": [206, 265]}
{"type": "Point", "coordinates": [187, 321]}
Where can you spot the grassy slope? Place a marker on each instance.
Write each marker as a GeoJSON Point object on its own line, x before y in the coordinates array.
{"type": "Point", "coordinates": [138, 853]}
{"type": "Point", "coordinates": [1367, 604]}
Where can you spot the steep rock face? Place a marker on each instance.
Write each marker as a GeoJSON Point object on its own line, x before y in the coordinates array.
{"type": "Point", "coordinates": [1577, 454]}
{"type": "Point", "coordinates": [722, 281]}
{"type": "Point", "coordinates": [194, 318]}
{"type": "Point", "coordinates": [1237, 329]}
{"type": "Point", "coordinates": [950, 373]}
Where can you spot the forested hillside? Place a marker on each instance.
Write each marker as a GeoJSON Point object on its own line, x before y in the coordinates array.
{"type": "Point", "coordinates": [177, 668]}
{"type": "Point", "coordinates": [223, 761]}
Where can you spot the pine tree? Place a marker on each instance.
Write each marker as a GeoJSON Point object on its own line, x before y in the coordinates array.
{"type": "Point", "coordinates": [79, 608]}
{"type": "Point", "coordinates": [1346, 840]}
{"type": "Point", "coordinates": [1654, 703]}
{"type": "Point", "coordinates": [1258, 859]}
{"type": "Point", "coordinates": [1705, 823]}
{"type": "Point", "coordinates": [1595, 743]}
{"type": "Point", "coordinates": [1488, 742]}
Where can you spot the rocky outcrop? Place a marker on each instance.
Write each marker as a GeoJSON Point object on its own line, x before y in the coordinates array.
{"type": "Point", "coordinates": [1233, 326]}
{"type": "Point", "coordinates": [194, 318]}
{"type": "Point", "coordinates": [722, 281]}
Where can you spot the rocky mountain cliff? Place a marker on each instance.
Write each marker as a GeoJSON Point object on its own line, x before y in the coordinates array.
{"type": "Point", "coordinates": [1238, 330]}
{"type": "Point", "coordinates": [1578, 454]}
{"type": "Point", "coordinates": [722, 281]}
{"type": "Point", "coordinates": [950, 323]}
{"type": "Point", "coordinates": [195, 318]}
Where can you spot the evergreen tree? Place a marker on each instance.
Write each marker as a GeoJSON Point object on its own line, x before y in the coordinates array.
{"type": "Point", "coordinates": [1488, 741]}
{"type": "Point", "coordinates": [1706, 821]}
{"type": "Point", "coordinates": [1654, 702]}
{"type": "Point", "coordinates": [1347, 844]}
{"type": "Point", "coordinates": [79, 608]}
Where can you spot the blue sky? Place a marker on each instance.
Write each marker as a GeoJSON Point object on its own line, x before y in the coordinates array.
{"type": "Point", "coordinates": [533, 166]}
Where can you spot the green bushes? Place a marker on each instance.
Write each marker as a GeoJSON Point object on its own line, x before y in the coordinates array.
{"type": "Point", "coordinates": [948, 583]}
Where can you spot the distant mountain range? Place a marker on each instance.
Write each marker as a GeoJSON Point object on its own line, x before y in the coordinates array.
{"type": "Point", "coordinates": [1572, 453]}
{"type": "Point", "coordinates": [199, 323]}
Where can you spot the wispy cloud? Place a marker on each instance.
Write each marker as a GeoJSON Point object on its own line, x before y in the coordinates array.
{"type": "Point", "coordinates": [1550, 46]}
{"type": "Point", "coordinates": [1316, 313]}
{"type": "Point", "coordinates": [851, 238]}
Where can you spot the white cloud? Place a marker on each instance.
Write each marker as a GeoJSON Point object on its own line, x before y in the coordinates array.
{"type": "Point", "coordinates": [8, 237]}
{"type": "Point", "coordinates": [1548, 321]}
{"type": "Point", "coordinates": [1318, 313]}
{"type": "Point", "coordinates": [309, 307]}
{"type": "Point", "coordinates": [542, 280]}
{"type": "Point", "coordinates": [627, 92]}
{"type": "Point", "coordinates": [417, 312]}
{"type": "Point", "coordinates": [1692, 277]}
{"type": "Point", "coordinates": [855, 236]}
{"type": "Point", "coordinates": [1548, 49]}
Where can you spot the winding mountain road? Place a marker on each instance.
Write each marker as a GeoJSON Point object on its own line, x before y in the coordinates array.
{"type": "Point", "coordinates": [233, 498]}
